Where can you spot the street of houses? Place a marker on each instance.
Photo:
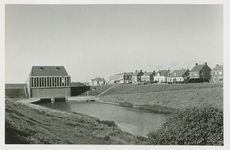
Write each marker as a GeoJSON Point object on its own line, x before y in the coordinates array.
{"type": "Point", "coordinates": [199, 73]}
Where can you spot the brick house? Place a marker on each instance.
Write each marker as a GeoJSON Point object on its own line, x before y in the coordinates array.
{"type": "Point", "coordinates": [162, 76]}
{"type": "Point", "coordinates": [147, 77]}
{"type": "Point", "coordinates": [48, 81]}
{"type": "Point", "coordinates": [136, 77]}
{"type": "Point", "coordinates": [217, 74]}
{"type": "Point", "coordinates": [97, 81]}
{"type": "Point", "coordinates": [201, 72]}
{"type": "Point", "coordinates": [125, 77]}
{"type": "Point", "coordinates": [179, 75]}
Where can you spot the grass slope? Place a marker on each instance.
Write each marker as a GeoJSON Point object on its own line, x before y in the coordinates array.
{"type": "Point", "coordinates": [177, 99]}
{"type": "Point", "coordinates": [27, 123]}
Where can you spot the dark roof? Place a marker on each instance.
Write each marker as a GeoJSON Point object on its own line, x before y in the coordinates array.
{"type": "Point", "coordinates": [198, 67]}
{"type": "Point", "coordinates": [98, 79]}
{"type": "Point", "coordinates": [125, 73]}
{"type": "Point", "coordinates": [148, 73]}
{"type": "Point", "coordinates": [48, 71]}
{"type": "Point", "coordinates": [162, 72]}
{"type": "Point", "coordinates": [220, 67]}
{"type": "Point", "coordinates": [179, 73]}
{"type": "Point", "coordinates": [77, 84]}
{"type": "Point", "coordinates": [136, 73]}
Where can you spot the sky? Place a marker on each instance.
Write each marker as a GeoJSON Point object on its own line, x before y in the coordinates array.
{"type": "Point", "coordinates": [102, 40]}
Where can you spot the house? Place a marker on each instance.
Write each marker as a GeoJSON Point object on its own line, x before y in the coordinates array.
{"type": "Point", "coordinates": [48, 81]}
{"type": "Point", "coordinates": [179, 75]}
{"type": "Point", "coordinates": [217, 74]}
{"type": "Point", "coordinates": [201, 73]}
{"type": "Point", "coordinates": [162, 76]}
{"type": "Point", "coordinates": [125, 77]}
{"type": "Point", "coordinates": [147, 77]}
{"type": "Point", "coordinates": [136, 76]}
{"type": "Point", "coordinates": [97, 81]}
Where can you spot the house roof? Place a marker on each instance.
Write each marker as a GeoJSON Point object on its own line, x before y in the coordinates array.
{"type": "Point", "coordinates": [220, 67]}
{"type": "Point", "coordinates": [179, 73]}
{"type": "Point", "coordinates": [136, 73]}
{"type": "Point", "coordinates": [198, 67]}
{"type": "Point", "coordinates": [162, 72]}
{"type": "Point", "coordinates": [125, 73]}
{"type": "Point", "coordinates": [98, 79]}
{"type": "Point", "coordinates": [48, 71]}
{"type": "Point", "coordinates": [148, 73]}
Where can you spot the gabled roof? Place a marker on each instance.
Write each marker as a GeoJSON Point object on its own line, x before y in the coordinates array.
{"type": "Point", "coordinates": [48, 71]}
{"type": "Point", "coordinates": [148, 73]}
{"type": "Point", "coordinates": [178, 73]}
{"type": "Point", "coordinates": [136, 73]}
{"type": "Point", "coordinates": [98, 79]}
{"type": "Point", "coordinates": [162, 72]}
{"type": "Point", "coordinates": [220, 67]}
{"type": "Point", "coordinates": [198, 67]}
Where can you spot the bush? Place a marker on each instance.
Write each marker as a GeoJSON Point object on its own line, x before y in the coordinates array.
{"type": "Point", "coordinates": [126, 104]}
{"type": "Point", "coordinates": [191, 126]}
{"type": "Point", "coordinates": [108, 123]}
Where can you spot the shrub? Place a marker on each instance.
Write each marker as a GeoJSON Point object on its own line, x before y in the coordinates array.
{"type": "Point", "coordinates": [191, 126]}
{"type": "Point", "coordinates": [108, 123]}
{"type": "Point", "coordinates": [126, 104]}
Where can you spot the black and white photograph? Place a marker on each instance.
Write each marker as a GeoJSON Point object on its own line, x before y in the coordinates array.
{"type": "Point", "coordinates": [96, 74]}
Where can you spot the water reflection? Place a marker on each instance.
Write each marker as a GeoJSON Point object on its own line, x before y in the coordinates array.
{"type": "Point", "coordinates": [130, 120]}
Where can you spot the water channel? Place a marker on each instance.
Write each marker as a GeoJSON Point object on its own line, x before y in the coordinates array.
{"type": "Point", "coordinates": [130, 120]}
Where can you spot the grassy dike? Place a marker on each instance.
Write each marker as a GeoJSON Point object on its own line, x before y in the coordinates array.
{"type": "Point", "coordinates": [26, 123]}
{"type": "Point", "coordinates": [196, 112]}
{"type": "Point", "coordinates": [169, 100]}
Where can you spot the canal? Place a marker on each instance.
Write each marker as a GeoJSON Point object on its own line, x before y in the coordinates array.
{"type": "Point", "coordinates": [132, 120]}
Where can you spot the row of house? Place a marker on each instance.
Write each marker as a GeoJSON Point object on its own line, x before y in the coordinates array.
{"type": "Point", "coordinates": [199, 73]}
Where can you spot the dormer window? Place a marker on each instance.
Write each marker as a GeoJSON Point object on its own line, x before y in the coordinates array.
{"type": "Point", "coordinates": [57, 68]}
{"type": "Point", "coordinates": [41, 68]}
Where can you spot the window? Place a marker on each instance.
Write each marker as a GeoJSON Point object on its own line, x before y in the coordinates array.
{"type": "Point", "coordinates": [174, 73]}
{"type": "Point", "coordinates": [48, 82]}
{"type": "Point", "coordinates": [63, 81]}
{"type": "Point", "coordinates": [32, 82]}
{"type": "Point", "coordinates": [220, 72]}
{"type": "Point", "coordinates": [220, 79]}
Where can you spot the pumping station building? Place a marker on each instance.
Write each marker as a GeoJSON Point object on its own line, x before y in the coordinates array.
{"type": "Point", "coordinates": [49, 81]}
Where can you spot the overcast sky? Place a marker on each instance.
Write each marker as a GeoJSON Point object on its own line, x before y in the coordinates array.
{"type": "Point", "coordinates": [102, 40]}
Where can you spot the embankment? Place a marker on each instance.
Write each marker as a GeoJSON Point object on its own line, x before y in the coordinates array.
{"type": "Point", "coordinates": [177, 98]}
{"type": "Point", "coordinates": [27, 123]}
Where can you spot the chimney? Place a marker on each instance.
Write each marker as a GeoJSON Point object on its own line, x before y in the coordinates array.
{"type": "Point", "coordinates": [135, 70]}
{"type": "Point", "coordinates": [124, 72]}
{"type": "Point", "coordinates": [217, 64]}
{"type": "Point", "coordinates": [145, 72]}
{"type": "Point", "coordinates": [196, 64]}
{"type": "Point", "coordinates": [168, 69]}
{"type": "Point", "coordinates": [205, 63]}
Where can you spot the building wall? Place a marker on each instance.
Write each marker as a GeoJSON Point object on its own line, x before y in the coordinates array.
{"type": "Point", "coordinates": [194, 74]}
{"type": "Point", "coordinates": [49, 86]}
{"type": "Point", "coordinates": [50, 92]}
{"type": "Point", "coordinates": [216, 76]}
{"type": "Point", "coordinates": [207, 73]}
